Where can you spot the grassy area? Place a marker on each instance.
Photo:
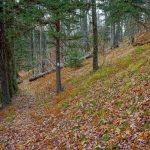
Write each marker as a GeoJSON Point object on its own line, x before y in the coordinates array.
{"type": "Point", "coordinates": [118, 69]}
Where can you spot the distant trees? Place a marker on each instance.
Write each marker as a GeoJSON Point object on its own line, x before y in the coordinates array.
{"type": "Point", "coordinates": [67, 26]}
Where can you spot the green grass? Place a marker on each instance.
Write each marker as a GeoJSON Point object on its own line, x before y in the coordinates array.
{"type": "Point", "coordinates": [101, 112]}
{"type": "Point", "coordinates": [104, 139]}
{"type": "Point", "coordinates": [123, 62]}
{"type": "Point", "coordinates": [118, 104]}
{"type": "Point", "coordinates": [120, 69]}
{"type": "Point", "coordinates": [146, 46]}
{"type": "Point", "coordinates": [125, 87]}
{"type": "Point", "coordinates": [125, 124]}
{"type": "Point", "coordinates": [104, 71]}
{"type": "Point", "coordinates": [64, 105]}
{"type": "Point", "coordinates": [102, 121]}
{"type": "Point", "coordinates": [134, 67]}
{"type": "Point", "coordinates": [138, 50]}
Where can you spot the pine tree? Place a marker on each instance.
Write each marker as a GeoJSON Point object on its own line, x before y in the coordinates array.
{"type": "Point", "coordinates": [59, 12]}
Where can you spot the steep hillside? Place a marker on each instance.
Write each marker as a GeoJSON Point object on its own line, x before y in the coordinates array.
{"type": "Point", "coordinates": [109, 109]}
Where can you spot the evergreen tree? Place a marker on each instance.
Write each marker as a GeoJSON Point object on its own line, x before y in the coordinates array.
{"type": "Point", "coordinates": [60, 11]}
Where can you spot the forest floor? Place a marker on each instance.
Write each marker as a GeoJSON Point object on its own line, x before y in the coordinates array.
{"type": "Point", "coordinates": [108, 109]}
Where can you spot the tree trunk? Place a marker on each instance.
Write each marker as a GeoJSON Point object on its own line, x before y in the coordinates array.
{"type": "Point", "coordinates": [33, 52]}
{"type": "Point", "coordinates": [10, 48]}
{"type": "Point", "coordinates": [8, 74]}
{"type": "Point", "coordinates": [121, 30]}
{"type": "Point", "coordinates": [5, 94]}
{"type": "Point", "coordinates": [4, 85]}
{"type": "Point", "coordinates": [114, 40]}
{"type": "Point", "coordinates": [132, 30]}
{"type": "Point", "coordinates": [84, 31]}
{"type": "Point", "coordinates": [117, 37]}
{"type": "Point", "coordinates": [147, 3]}
{"type": "Point", "coordinates": [41, 51]}
{"type": "Point", "coordinates": [58, 68]}
{"type": "Point", "coordinates": [95, 36]}
{"type": "Point", "coordinates": [12, 73]}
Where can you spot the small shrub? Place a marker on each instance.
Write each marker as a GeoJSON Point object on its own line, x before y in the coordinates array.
{"type": "Point", "coordinates": [74, 58]}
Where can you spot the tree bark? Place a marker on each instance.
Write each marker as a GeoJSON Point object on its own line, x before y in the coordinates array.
{"type": "Point", "coordinates": [84, 31]}
{"type": "Point", "coordinates": [147, 3]}
{"type": "Point", "coordinates": [58, 68]}
{"type": "Point", "coordinates": [5, 93]}
{"type": "Point", "coordinates": [95, 36]}
{"type": "Point", "coordinates": [114, 39]}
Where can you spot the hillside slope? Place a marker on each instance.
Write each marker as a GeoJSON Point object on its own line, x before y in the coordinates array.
{"type": "Point", "coordinates": [109, 109]}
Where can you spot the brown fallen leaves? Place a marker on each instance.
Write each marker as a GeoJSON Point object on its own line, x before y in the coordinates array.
{"type": "Point", "coordinates": [112, 113]}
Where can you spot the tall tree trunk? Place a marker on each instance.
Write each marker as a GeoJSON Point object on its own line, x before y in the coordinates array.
{"type": "Point", "coordinates": [117, 37]}
{"type": "Point", "coordinates": [10, 46]}
{"type": "Point", "coordinates": [58, 69]}
{"type": "Point", "coordinates": [95, 36]}
{"type": "Point", "coordinates": [5, 94]}
{"type": "Point", "coordinates": [147, 15]}
{"type": "Point", "coordinates": [41, 51]}
{"type": "Point", "coordinates": [33, 52]}
{"type": "Point", "coordinates": [12, 73]}
{"type": "Point", "coordinates": [131, 30]}
{"type": "Point", "coordinates": [84, 31]}
{"type": "Point", "coordinates": [114, 39]}
{"type": "Point", "coordinates": [4, 79]}
{"type": "Point", "coordinates": [121, 30]}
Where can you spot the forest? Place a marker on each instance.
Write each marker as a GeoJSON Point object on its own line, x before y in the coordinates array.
{"type": "Point", "coordinates": [74, 74]}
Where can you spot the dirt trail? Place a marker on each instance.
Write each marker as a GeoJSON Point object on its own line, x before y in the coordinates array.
{"type": "Point", "coordinates": [23, 103]}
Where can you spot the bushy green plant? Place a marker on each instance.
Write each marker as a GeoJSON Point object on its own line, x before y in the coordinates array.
{"type": "Point", "coordinates": [74, 58]}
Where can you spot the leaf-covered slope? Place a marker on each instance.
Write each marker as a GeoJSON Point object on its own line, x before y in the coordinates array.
{"type": "Point", "coordinates": [109, 109]}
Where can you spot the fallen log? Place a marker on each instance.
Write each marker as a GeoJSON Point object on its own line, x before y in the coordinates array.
{"type": "Point", "coordinates": [40, 75]}
{"type": "Point", "coordinates": [43, 74]}
{"type": "Point", "coordinates": [88, 56]}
